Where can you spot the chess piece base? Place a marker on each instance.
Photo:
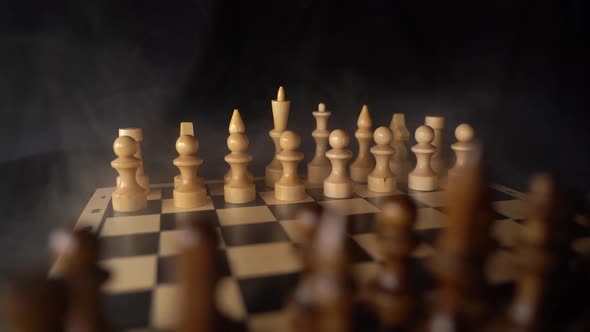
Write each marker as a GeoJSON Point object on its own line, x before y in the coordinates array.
{"type": "Point", "coordinates": [422, 183]}
{"type": "Point", "coordinates": [129, 201]}
{"type": "Point", "coordinates": [142, 180]}
{"type": "Point", "coordinates": [188, 200]}
{"type": "Point", "coordinates": [316, 174]}
{"type": "Point", "coordinates": [338, 190]}
{"type": "Point", "coordinates": [289, 193]}
{"type": "Point", "coordinates": [381, 185]}
{"type": "Point", "coordinates": [272, 175]}
{"type": "Point", "coordinates": [359, 174]}
{"type": "Point", "coordinates": [239, 195]}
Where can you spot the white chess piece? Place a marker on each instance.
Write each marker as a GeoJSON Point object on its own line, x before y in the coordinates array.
{"type": "Point", "coordinates": [423, 178]}
{"type": "Point", "coordinates": [142, 179]}
{"type": "Point", "coordinates": [437, 162]}
{"type": "Point", "coordinates": [381, 179]}
{"type": "Point", "coordinates": [338, 184]}
{"type": "Point", "coordinates": [290, 187]}
{"type": "Point", "coordinates": [363, 164]}
{"type": "Point", "coordinates": [236, 125]}
{"type": "Point", "coordinates": [129, 195]}
{"type": "Point", "coordinates": [239, 188]}
{"type": "Point", "coordinates": [280, 116]}
{"type": "Point", "coordinates": [319, 168]}
{"type": "Point", "coordinates": [191, 192]}
{"type": "Point", "coordinates": [463, 147]}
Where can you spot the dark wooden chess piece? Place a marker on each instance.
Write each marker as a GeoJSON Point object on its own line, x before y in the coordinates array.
{"type": "Point", "coordinates": [323, 298]}
{"type": "Point", "coordinates": [79, 250]}
{"type": "Point", "coordinates": [34, 303]}
{"type": "Point", "coordinates": [392, 296]}
{"type": "Point", "coordinates": [197, 275]}
{"type": "Point", "coordinates": [542, 261]}
{"type": "Point", "coordinates": [463, 296]}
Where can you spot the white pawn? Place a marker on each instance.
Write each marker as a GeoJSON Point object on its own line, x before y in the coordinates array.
{"type": "Point", "coordinates": [129, 195]}
{"type": "Point", "coordinates": [423, 178]}
{"type": "Point", "coordinates": [239, 188]}
{"type": "Point", "coordinates": [186, 128]}
{"type": "Point", "coordinates": [381, 179]}
{"type": "Point", "coordinates": [191, 192]}
{"type": "Point", "coordinates": [136, 133]}
{"type": "Point", "coordinates": [463, 147]}
{"type": "Point", "coordinates": [289, 187]}
{"type": "Point", "coordinates": [338, 184]}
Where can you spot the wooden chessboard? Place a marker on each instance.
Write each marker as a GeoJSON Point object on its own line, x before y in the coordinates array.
{"type": "Point", "coordinates": [257, 261]}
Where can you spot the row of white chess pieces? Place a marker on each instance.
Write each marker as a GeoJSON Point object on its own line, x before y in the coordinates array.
{"type": "Point", "coordinates": [385, 165]}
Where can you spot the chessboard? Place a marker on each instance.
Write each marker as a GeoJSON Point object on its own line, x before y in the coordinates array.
{"type": "Point", "coordinates": [257, 262]}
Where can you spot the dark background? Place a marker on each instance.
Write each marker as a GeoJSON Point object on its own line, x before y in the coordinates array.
{"type": "Point", "coordinates": [73, 72]}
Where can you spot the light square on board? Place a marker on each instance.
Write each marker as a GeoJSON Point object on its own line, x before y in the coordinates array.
{"type": "Point", "coordinates": [168, 267]}
{"type": "Point", "coordinates": [244, 215]}
{"type": "Point", "coordinates": [429, 218]}
{"type": "Point", "coordinates": [514, 209]}
{"type": "Point", "coordinates": [168, 206]}
{"type": "Point", "coordinates": [169, 242]}
{"type": "Point", "coordinates": [165, 307]}
{"type": "Point", "coordinates": [290, 211]}
{"type": "Point", "coordinates": [350, 206]}
{"type": "Point", "coordinates": [229, 299]}
{"type": "Point", "coordinates": [130, 274]}
{"type": "Point", "coordinates": [270, 199]}
{"type": "Point", "coordinates": [290, 228]}
{"type": "Point", "coordinates": [263, 259]}
{"type": "Point", "coordinates": [431, 199]}
{"type": "Point", "coordinates": [131, 225]}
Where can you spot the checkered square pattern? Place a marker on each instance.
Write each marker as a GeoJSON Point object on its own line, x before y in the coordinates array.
{"type": "Point", "coordinates": [257, 260]}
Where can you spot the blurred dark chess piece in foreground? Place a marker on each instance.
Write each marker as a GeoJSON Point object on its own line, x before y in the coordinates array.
{"type": "Point", "coordinates": [393, 296]}
{"type": "Point", "coordinates": [543, 299]}
{"type": "Point", "coordinates": [78, 251]}
{"type": "Point", "coordinates": [34, 303]}
{"type": "Point", "coordinates": [197, 275]}
{"type": "Point", "coordinates": [322, 300]}
{"type": "Point", "coordinates": [463, 298]}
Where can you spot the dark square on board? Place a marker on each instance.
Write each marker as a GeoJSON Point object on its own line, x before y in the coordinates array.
{"type": "Point", "coordinates": [172, 221]}
{"type": "Point", "coordinates": [267, 293]}
{"type": "Point", "coordinates": [239, 235]}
